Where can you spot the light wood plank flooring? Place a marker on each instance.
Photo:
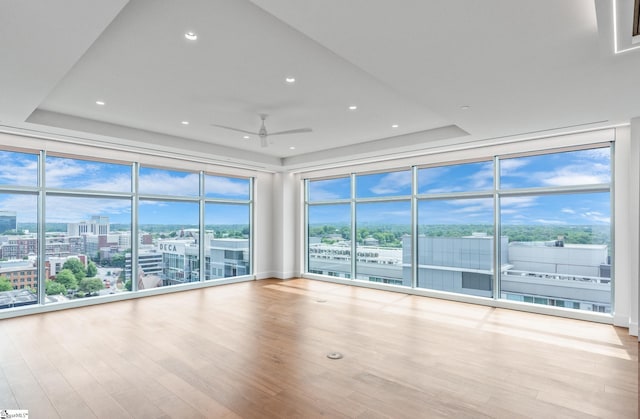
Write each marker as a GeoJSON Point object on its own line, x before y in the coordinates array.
{"type": "Point", "coordinates": [258, 350]}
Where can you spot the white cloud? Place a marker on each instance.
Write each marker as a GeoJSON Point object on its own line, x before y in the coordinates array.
{"type": "Point", "coordinates": [509, 167]}
{"type": "Point", "coordinates": [588, 174]}
{"type": "Point", "coordinates": [59, 171]}
{"type": "Point", "coordinates": [430, 176]}
{"type": "Point", "coordinates": [226, 186]}
{"type": "Point", "coordinates": [18, 169]}
{"type": "Point", "coordinates": [163, 183]}
{"type": "Point", "coordinates": [392, 183]}
{"type": "Point", "coordinates": [327, 190]}
{"type": "Point", "coordinates": [483, 178]}
{"type": "Point", "coordinates": [518, 202]}
{"type": "Point", "coordinates": [63, 209]}
{"type": "Point", "coordinates": [597, 217]}
{"type": "Point", "coordinates": [443, 190]}
{"type": "Point", "coordinates": [567, 211]}
{"type": "Point", "coordinates": [509, 211]}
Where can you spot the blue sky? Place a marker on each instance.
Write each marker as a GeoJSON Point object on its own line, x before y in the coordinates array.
{"type": "Point", "coordinates": [20, 169]}
{"type": "Point", "coordinates": [586, 167]}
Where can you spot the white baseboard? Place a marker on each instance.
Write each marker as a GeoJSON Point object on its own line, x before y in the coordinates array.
{"type": "Point", "coordinates": [278, 275]}
{"type": "Point", "coordinates": [621, 320]}
{"type": "Point", "coordinates": [633, 329]}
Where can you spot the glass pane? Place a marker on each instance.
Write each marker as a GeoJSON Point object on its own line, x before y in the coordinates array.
{"type": "Point", "coordinates": [455, 245]}
{"type": "Point", "coordinates": [226, 187]}
{"type": "Point", "coordinates": [88, 175]}
{"type": "Point", "coordinates": [86, 243]}
{"type": "Point", "coordinates": [18, 250]}
{"type": "Point", "coordinates": [330, 240]}
{"type": "Point", "coordinates": [331, 189]}
{"type": "Point", "coordinates": [559, 250]}
{"type": "Point", "coordinates": [384, 242]}
{"type": "Point", "coordinates": [169, 250]}
{"type": "Point", "coordinates": [18, 169]}
{"type": "Point", "coordinates": [227, 240]}
{"type": "Point", "coordinates": [384, 184]}
{"type": "Point", "coordinates": [584, 167]}
{"type": "Point", "coordinates": [467, 177]}
{"type": "Point", "coordinates": [168, 182]}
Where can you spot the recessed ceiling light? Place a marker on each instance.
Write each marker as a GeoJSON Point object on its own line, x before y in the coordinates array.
{"type": "Point", "coordinates": [185, 122]}
{"type": "Point", "coordinates": [191, 36]}
{"type": "Point", "coordinates": [290, 80]}
{"type": "Point", "coordinates": [99, 102]}
{"type": "Point", "coordinates": [395, 126]}
{"type": "Point", "coordinates": [292, 148]}
{"type": "Point", "coordinates": [465, 107]}
{"type": "Point", "coordinates": [246, 137]}
{"type": "Point", "coordinates": [353, 107]}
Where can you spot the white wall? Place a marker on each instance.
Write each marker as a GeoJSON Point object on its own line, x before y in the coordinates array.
{"type": "Point", "coordinates": [263, 226]}
{"type": "Point", "coordinates": [624, 266]}
{"type": "Point", "coordinates": [634, 225]}
{"type": "Point", "coordinates": [285, 218]}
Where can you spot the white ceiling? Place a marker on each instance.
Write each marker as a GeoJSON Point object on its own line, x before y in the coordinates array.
{"type": "Point", "coordinates": [522, 67]}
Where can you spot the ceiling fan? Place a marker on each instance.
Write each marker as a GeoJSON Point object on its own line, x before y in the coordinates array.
{"type": "Point", "coordinates": [263, 133]}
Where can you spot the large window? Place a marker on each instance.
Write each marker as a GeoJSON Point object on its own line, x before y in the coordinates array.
{"type": "Point", "coordinates": [455, 245]}
{"type": "Point", "coordinates": [74, 228]}
{"type": "Point", "coordinates": [555, 210]}
{"type": "Point", "coordinates": [19, 277]}
{"type": "Point", "coordinates": [383, 231]}
{"type": "Point", "coordinates": [169, 250]}
{"type": "Point", "coordinates": [227, 240]}
{"type": "Point", "coordinates": [531, 228]}
{"type": "Point", "coordinates": [329, 230]}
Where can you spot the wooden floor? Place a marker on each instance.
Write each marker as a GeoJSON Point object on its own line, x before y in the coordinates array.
{"type": "Point", "coordinates": [259, 350]}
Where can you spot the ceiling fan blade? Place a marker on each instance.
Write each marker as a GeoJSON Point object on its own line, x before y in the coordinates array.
{"type": "Point", "coordinates": [234, 129]}
{"type": "Point", "coordinates": [291, 131]}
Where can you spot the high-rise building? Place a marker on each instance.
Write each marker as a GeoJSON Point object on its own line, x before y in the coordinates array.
{"type": "Point", "coordinates": [8, 221]}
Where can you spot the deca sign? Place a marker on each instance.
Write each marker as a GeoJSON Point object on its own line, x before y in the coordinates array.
{"type": "Point", "coordinates": [167, 247]}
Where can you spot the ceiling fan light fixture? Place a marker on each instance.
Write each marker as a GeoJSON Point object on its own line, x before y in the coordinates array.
{"type": "Point", "coordinates": [262, 133]}
{"type": "Point", "coordinates": [191, 36]}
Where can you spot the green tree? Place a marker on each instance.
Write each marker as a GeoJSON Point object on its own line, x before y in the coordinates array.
{"type": "Point", "coordinates": [92, 270]}
{"type": "Point", "coordinates": [5, 284]}
{"type": "Point", "coordinates": [90, 285]}
{"type": "Point", "coordinates": [67, 278]}
{"type": "Point", "coordinates": [118, 260]}
{"type": "Point", "coordinates": [54, 288]}
{"type": "Point", "coordinates": [75, 266]}
{"type": "Point", "coordinates": [127, 285]}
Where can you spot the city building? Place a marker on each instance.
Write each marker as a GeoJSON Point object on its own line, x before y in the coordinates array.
{"type": "Point", "coordinates": [550, 273]}
{"type": "Point", "coordinates": [8, 221]}
{"type": "Point", "coordinates": [176, 261]}
{"type": "Point", "coordinates": [23, 274]}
